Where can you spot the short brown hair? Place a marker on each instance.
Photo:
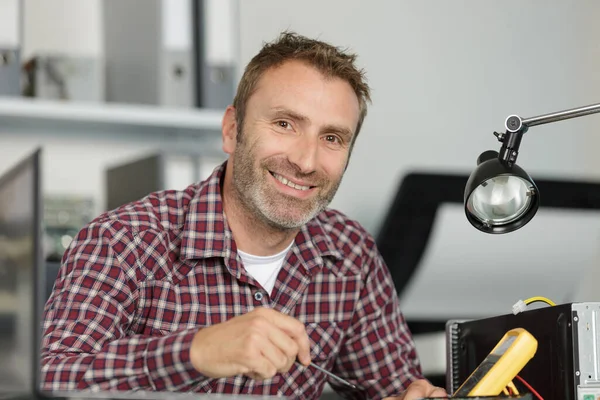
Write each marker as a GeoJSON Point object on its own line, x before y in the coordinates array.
{"type": "Point", "coordinates": [329, 60]}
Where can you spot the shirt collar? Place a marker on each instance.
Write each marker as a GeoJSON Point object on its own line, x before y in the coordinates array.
{"type": "Point", "coordinates": [312, 244]}
{"type": "Point", "coordinates": [206, 233]}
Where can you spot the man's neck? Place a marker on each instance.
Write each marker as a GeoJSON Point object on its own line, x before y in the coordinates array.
{"type": "Point", "coordinates": [252, 235]}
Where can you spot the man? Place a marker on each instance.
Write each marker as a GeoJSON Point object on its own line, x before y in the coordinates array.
{"type": "Point", "coordinates": [238, 283]}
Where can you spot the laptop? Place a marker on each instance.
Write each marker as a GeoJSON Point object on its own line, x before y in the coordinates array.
{"type": "Point", "coordinates": [22, 294]}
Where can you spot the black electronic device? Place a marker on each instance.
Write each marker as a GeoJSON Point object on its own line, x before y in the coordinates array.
{"type": "Point", "coordinates": [21, 275]}
{"type": "Point", "coordinates": [566, 364]}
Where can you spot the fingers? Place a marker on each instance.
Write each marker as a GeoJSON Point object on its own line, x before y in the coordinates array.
{"type": "Point", "coordinates": [294, 329]}
{"type": "Point", "coordinates": [258, 344]}
{"type": "Point", "coordinates": [261, 368]}
{"type": "Point", "coordinates": [422, 388]}
{"type": "Point", "coordinates": [438, 392]}
{"type": "Point", "coordinates": [284, 351]}
{"type": "Point", "coordinates": [259, 356]}
{"type": "Point", "coordinates": [271, 349]}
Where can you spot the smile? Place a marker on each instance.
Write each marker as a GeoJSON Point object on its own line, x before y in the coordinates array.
{"type": "Point", "coordinates": [289, 183]}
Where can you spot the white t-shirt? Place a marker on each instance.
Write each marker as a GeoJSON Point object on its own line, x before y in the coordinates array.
{"type": "Point", "coordinates": [264, 268]}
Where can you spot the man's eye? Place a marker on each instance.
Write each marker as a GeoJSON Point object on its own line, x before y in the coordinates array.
{"type": "Point", "coordinates": [332, 139]}
{"type": "Point", "coordinates": [283, 124]}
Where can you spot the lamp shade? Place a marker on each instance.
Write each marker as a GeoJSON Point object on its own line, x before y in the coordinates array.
{"type": "Point", "coordinates": [499, 198]}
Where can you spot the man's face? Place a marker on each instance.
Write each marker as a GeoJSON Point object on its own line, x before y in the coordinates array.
{"type": "Point", "coordinates": [294, 146]}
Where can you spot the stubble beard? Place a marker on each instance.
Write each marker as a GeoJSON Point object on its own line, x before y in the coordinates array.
{"type": "Point", "coordinates": [277, 210]}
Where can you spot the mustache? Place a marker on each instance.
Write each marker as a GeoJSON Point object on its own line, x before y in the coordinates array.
{"type": "Point", "coordinates": [285, 167]}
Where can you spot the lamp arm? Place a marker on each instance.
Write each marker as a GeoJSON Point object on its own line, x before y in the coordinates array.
{"type": "Point", "coordinates": [552, 117]}
{"type": "Point", "coordinates": [517, 126]}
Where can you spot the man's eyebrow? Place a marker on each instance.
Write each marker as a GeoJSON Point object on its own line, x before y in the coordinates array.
{"type": "Point", "coordinates": [281, 112]}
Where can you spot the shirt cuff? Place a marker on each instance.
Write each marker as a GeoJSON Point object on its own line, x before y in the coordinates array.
{"type": "Point", "coordinates": [168, 365]}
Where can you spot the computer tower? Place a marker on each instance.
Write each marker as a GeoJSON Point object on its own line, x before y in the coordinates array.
{"type": "Point", "coordinates": [566, 365]}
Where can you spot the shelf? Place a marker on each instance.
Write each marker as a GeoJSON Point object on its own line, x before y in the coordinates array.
{"type": "Point", "coordinates": [35, 115]}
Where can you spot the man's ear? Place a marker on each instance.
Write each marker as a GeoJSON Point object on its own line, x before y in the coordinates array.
{"type": "Point", "coordinates": [229, 130]}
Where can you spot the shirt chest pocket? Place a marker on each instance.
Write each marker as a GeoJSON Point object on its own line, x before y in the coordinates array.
{"type": "Point", "coordinates": [305, 382]}
{"type": "Point", "coordinates": [325, 340]}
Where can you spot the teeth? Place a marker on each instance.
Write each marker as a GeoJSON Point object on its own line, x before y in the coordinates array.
{"type": "Point", "coordinates": [290, 184]}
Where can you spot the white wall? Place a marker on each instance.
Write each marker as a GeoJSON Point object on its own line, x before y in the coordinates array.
{"type": "Point", "coordinates": [9, 23]}
{"type": "Point", "coordinates": [71, 27]}
{"type": "Point", "coordinates": [445, 75]}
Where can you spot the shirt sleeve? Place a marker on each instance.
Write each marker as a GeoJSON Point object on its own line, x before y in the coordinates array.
{"type": "Point", "coordinates": [378, 354]}
{"type": "Point", "coordinates": [87, 343]}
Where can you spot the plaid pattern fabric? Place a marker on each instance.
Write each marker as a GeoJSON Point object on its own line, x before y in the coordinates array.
{"type": "Point", "coordinates": [138, 282]}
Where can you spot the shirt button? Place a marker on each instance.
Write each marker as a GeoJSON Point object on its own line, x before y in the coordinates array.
{"type": "Point", "coordinates": [258, 296]}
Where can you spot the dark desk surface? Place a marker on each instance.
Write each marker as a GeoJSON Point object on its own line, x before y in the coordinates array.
{"type": "Point", "coordinates": [130, 396]}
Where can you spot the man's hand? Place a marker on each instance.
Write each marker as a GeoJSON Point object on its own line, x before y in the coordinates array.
{"type": "Point", "coordinates": [258, 344]}
{"type": "Point", "coordinates": [420, 389]}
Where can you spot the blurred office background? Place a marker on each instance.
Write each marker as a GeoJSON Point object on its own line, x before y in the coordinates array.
{"type": "Point", "coordinates": [126, 97]}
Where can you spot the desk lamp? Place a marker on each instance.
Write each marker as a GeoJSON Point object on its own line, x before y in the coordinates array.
{"type": "Point", "coordinates": [500, 196]}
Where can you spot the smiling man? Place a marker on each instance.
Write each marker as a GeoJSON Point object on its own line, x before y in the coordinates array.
{"type": "Point", "coordinates": [240, 284]}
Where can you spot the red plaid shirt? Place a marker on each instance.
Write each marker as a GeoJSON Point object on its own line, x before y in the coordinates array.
{"type": "Point", "coordinates": [138, 282]}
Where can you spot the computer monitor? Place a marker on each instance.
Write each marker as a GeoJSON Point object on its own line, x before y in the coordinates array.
{"type": "Point", "coordinates": [21, 276]}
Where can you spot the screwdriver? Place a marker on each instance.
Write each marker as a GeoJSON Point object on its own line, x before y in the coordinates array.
{"type": "Point", "coordinates": [334, 376]}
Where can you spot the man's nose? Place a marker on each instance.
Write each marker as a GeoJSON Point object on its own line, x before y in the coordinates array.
{"type": "Point", "coordinates": [303, 154]}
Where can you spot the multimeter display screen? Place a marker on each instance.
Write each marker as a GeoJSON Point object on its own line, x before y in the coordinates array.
{"type": "Point", "coordinates": [487, 364]}
{"type": "Point", "coordinates": [477, 375]}
{"type": "Point", "coordinates": [505, 345]}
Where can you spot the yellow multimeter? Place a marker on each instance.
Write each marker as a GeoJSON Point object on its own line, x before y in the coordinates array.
{"type": "Point", "coordinates": [501, 365]}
